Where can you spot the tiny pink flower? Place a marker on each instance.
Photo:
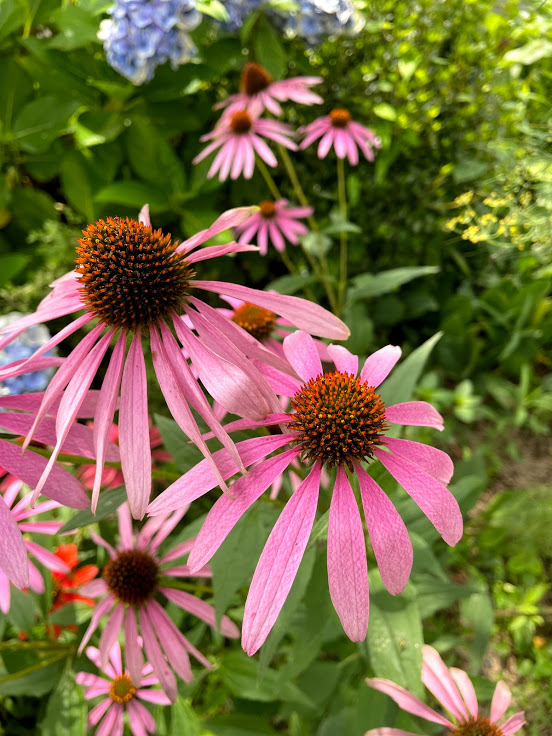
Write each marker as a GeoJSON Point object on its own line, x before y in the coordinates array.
{"type": "Point", "coordinates": [258, 91]}
{"type": "Point", "coordinates": [11, 541]}
{"type": "Point", "coordinates": [133, 282]}
{"type": "Point", "coordinates": [239, 137]}
{"type": "Point", "coordinates": [337, 420]}
{"type": "Point", "coordinates": [454, 690]}
{"type": "Point", "coordinates": [346, 136]}
{"type": "Point", "coordinates": [275, 222]}
{"type": "Point", "coordinates": [122, 693]}
{"type": "Point", "coordinates": [130, 581]}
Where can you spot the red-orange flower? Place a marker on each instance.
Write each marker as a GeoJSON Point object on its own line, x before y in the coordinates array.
{"type": "Point", "coordinates": [65, 584]}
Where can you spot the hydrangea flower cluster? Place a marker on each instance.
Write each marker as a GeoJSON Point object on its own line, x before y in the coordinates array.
{"type": "Point", "coordinates": [141, 35]}
{"type": "Point", "coordinates": [23, 347]}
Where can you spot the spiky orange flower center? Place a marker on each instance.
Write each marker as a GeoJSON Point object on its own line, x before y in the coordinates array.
{"type": "Point", "coordinates": [340, 118]}
{"type": "Point", "coordinates": [254, 79]}
{"type": "Point", "coordinates": [257, 321]}
{"type": "Point", "coordinates": [268, 208]}
{"type": "Point", "coordinates": [132, 576]}
{"type": "Point", "coordinates": [122, 689]}
{"type": "Point", "coordinates": [337, 419]}
{"type": "Point", "coordinates": [130, 275]}
{"type": "Point", "coordinates": [241, 122]}
{"type": "Point", "coordinates": [477, 727]}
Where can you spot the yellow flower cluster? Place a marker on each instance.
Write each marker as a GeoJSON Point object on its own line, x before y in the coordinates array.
{"type": "Point", "coordinates": [463, 199]}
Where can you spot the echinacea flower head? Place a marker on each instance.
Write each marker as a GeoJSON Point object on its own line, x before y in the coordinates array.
{"type": "Point", "coordinates": [21, 512]}
{"type": "Point", "coordinates": [134, 576]}
{"type": "Point", "coordinates": [339, 130]}
{"type": "Point", "coordinates": [122, 693]}
{"type": "Point", "coordinates": [136, 283]}
{"type": "Point", "coordinates": [239, 136]}
{"type": "Point", "coordinates": [337, 421]}
{"type": "Point", "coordinates": [20, 349]}
{"type": "Point", "coordinates": [259, 91]}
{"type": "Point", "coordinates": [454, 690]}
{"type": "Point", "coordinates": [142, 34]}
{"type": "Point", "coordinates": [274, 223]}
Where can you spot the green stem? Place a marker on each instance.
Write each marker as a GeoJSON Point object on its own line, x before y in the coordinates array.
{"type": "Point", "coordinates": [267, 176]}
{"type": "Point", "coordinates": [342, 200]}
{"type": "Point", "coordinates": [288, 262]}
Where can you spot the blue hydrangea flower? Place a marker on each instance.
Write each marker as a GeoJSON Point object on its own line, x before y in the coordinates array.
{"type": "Point", "coordinates": [141, 34]}
{"type": "Point", "coordinates": [238, 10]}
{"type": "Point", "coordinates": [21, 348]}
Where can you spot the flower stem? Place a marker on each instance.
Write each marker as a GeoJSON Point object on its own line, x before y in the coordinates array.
{"type": "Point", "coordinates": [267, 176]}
{"type": "Point", "coordinates": [342, 201]}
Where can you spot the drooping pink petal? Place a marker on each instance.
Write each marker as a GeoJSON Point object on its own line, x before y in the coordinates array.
{"type": "Point", "coordinates": [134, 442]}
{"type": "Point", "coordinates": [408, 702]}
{"type": "Point", "coordinates": [279, 562]}
{"type": "Point", "coordinates": [156, 657]}
{"type": "Point", "coordinates": [230, 218]}
{"type": "Point", "coordinates": [110, 633]}
{"type": "Point", "coordinates": [47, 558]}
{"type": "Point", "coordinates": [301, 313]}
{"type": "Point", "coordinates": [300, 350]}
{"type": "Point", "coordinates": [107, 403]}
{"type": "Point", "coordinates": [137, 726]}
{"type": "Point", "coordinates": [513, 724]}
{"type": "Point", "coordinates": [435, 462]}
{"type": "Point", "coordinates": [31, 402]}
{"type": "Point", "coordinates": [388, 534]}
{"type": "Point", "coordinates": [389, 732]}
{"type": "Point", "coordinates": [378, 365]}
{"type": "Point", "coordinates": [347, 567]}
{"type": "Point", "coordinates": [467, 691]}
{"type": "Point", "coordinates": [5, 596]}
{"type": "Point", "coordinates": [61, 485]}
{"type": "Point", "coordinates": [164, 530]}
{"type": "Point", "coordinates": [201, 479]}
{"type": "Point", "coordinates": [344, 361]}
{"type": "Point", "coordinates": [153, 696]}
{"type": "Point", "coordinates": [13, 555]}
{"type": "Point", "coordinates": [172, 642]}
{"type": "Point", "coordinates": [133, 650]}
{"type": "Point", "coordinates": [101, 609]}
{"type": "Point", "coordinates": [126, 534]}
{"type": "Point", "coordinates": [501, 700]}
{"type": "Point", "coordinates": [98, 711]}
{"type": "Point", "coordinates": [227, 511]}
{"type": "Point", "coordinates": [202, 610]}
{"type": "Point", "coordinates": [415, 413]}
{"type": "Point", "coordinates": [108, 726]}
{"type": "Point", "coordinates": [434, 499]}
{"type": "Point", "coordinates": [438, 680]}
{"type": "Point", "coordinates": [145, 716]}
{"type": "Point", "coordinates": [215, 251]}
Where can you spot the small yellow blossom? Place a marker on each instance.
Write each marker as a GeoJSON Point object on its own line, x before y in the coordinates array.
{"type": "Point", "coordinates": [463, 199]}
{"type": "Point", "coordinates": [488, 218]}
{"type": "Point", "coordinates": [472, 234]}
{"type": "Point", "coordinates": [525, 199]}
{"type": "Point", "coordinates": [451, 224]}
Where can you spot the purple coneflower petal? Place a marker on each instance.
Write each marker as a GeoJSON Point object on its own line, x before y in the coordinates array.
{"type": "Point", "coordinates": [155, 655]}
{"type": "Point", "coordinates": [438, 680]}
{"type": "Point", "coordinates": [134, 440]}
{"type": "Point", "coordinates": [263, 151]}
{"type": "Point", "coordinates": [344, 361]}
{"type": "Point", "coordinates": [47, 558]}
{"type": "Point", "coordinates": [140, 716]}
{"type": "Point", "coordinates": [101, 609]}
{"type": "Point", "coordinates": [352, 150]}
{"type": "Point", "coordinates": [5, 597]}
{"type": "Point", "coordinates": [435, 462]}
{"type": "Point", "coordinates": [300, 350]}
{"type": "Point", "coordinates": [276, 237]}
{"type": "Point", "coordinates": [153, 696]}
{"type": "Point", "coordinates": [279, 562]}
{"type": "Point", "coordinates": [125, 528]}
{"type": "Point", "coordinates": [415, 413]}
{"type": "Point", "coordinates": [202, 610]}
{"type": "Point", "coordinates": [172, 641]}
{"type": "Point", "coordinates": [408, 702]}
{"type": "Point", "coordinates": [133, 650]}
{"type": "Point", "coordinates": [112, 724]}
{"type": "Point", "coordinates": [389, 732]}
{"type": "Point", "coordinates": [110, 634]}
{"type": "Point", "coordinates": [388, 534]}
{"type": "Point", "coordinates": [436, 501]}
{"type": "Point", "coordinates": [501, 700]}
{"type": "Point", "coordinates": [13, 555]}
{"type": "Point", "coordinates": [95, 588]}
{"type": "Point", "coordinates": [379, 365]}
{"type": "Point", "coordinates": [513, 724]}
{"type": "Point", "coordinates": [103, 419]}
{"type": "Point", "coordinates": [326, 143]}
{"type": "Point", "coordinates": [226, 512]}
{"type": "Point", "coordinates": [467, 690]}
{"type": "Point", "coordinates": [347, 568]}
{"type": "Point", "coordinates": [98, 711]}
{"type": "Point", "coordinates": [229, 219]}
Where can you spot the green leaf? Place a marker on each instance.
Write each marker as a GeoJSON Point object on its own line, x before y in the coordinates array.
{"type": "Point", "coordinates": [31, 207]}
{"type": "Point", "coordinates": [184, 453]}
{"type": "Point", "coordinates": [400, 385]}
{"type": "Point", "coordinates": [15, 90]}
{"type": "Point", "coordinates": [539, 48]}
{"type": "Point", "coordinates": [41, 121]}
{"type": "Point", "coordinates": [292, 283]}
{"type": "Point", "coordinates": [184, 721]}
{"type": "Point", "coordinates": [369, 285]}
{"type": "Point", "coordinates": [433, 593]}
{"type": "Point", "coordinates": [76, 28]}
{"type": "Point", "coordinates": [66, 710]}
{"type": "Point", "coordinates": [133, 194]}
{"type": "Point", "coordinates": [269, 52]}
{"type": "Point", "coordinates": [240, 724]}
{"type": "Point", "coordinates": [477, 611]}
{"type": "Point", "coordinates": [152, 158]}
{"type": "Point", "coordinates": [11, 265]}
{"type": "Point", "coordinates": [108, 503]}
{"type": "Point", "coordinates": [79, 183]}
{"type": "Point", "coordinates": [37, 679]}
{"type": "Point", "coordinates": [395, 636]}
{"type": "Point", "coordinates": [22, 610]}
{"type": "Point", "coordinates": [95, 127]}
{"type": "Point", "coordinates": [385, 111]}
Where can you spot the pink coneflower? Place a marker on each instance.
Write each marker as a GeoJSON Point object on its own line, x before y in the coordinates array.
{"type": "Point", "coordinates": [337, 420]}
{"type": "Point", "coordinates": [454, 690]}
{"type": "Point", "coordinates": [275, 222]}
{"type": "Point", "coordinates": [259, 91]}
{"type": "Point", "coordinates": [20, 512]}
{"type": "Point", "coordinates": [345, 134]}
{"type": "Point", "coordinates": [133, 281]}
{"type": "Point", "coordinates": [123, 691]}
{"type": "Point", "coordinates": [239, 136]}
{"type": "Point", "coordinates": [130, 581]}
